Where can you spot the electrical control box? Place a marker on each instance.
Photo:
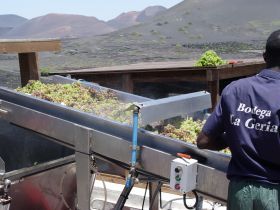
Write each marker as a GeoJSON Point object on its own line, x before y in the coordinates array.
{"type": "Point", "coordinates": [183, 174]}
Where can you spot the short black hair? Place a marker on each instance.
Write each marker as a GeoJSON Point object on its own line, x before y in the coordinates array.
{"type": "Point", "coordinates": [272, 49]}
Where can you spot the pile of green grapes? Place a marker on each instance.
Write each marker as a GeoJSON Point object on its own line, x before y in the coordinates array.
{"type": "Point", "coordinates": [106, 104]}
{"type": "Point", "coordinates": [210, 59]}
{"type": "Point", "coordinates": [101, 103]}
{"type": "Point", "coordinates": [186, 130]}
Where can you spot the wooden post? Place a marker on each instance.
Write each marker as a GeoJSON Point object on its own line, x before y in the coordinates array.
{"type": "Point", "coordinates": [28, 67]}
{"type": "Point", "coordinates": [213, 85]}
{"type": "Point", "coordinates": [127, 83]}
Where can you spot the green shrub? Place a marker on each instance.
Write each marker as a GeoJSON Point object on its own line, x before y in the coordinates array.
{"type": "Point", "coordinates": [44, 71]}
{"type": "Point", "coordinates": [210, 59]}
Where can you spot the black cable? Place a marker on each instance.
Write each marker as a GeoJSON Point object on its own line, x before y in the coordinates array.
{"type": "Point", "coordinates": [185, 198]}
{"type": "Point", "coordinates": [160, 201]}
{"type": "Point", "coordinates": [145, 195]}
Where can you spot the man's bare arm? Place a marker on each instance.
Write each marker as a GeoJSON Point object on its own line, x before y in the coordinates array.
{"type": "Point", "coordinates": [207, 142]}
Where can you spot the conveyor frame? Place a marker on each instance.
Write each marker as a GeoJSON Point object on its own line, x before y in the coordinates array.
{"type": "Point", "coordinates": [87, 141]}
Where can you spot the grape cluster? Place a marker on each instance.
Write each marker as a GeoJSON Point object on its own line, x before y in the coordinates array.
{"type": "Point", "coordinates": [210, 59]}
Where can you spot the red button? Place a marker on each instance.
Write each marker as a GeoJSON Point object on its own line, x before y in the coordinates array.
{"type": "Point", "coordinates": [177, 187]}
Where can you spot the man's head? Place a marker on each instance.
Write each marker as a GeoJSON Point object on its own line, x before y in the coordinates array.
{"type": "Point", "coordinates": [272, 50]}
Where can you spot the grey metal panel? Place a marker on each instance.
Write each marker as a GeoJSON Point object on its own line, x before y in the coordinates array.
{"type": "Point", "coordinates": [155, 110]}
{"type": "Point", "coordinates": [212, 182]}
{"type": "Point", "coordinates": [2, 167]}
{"type": "Point", "coordinates": [156, 162]}
{"type": "Point", "coordinates": [22, 148]}
{"type": "Point", "coordinates": [111, 146]}
{"type": "Point", "coordinates": [151, 160]}
{"type": "Point", "coordinates": [39, 122]}
{"type": "Point", "coordinates": [83, 180]}
{"type": "Point", "coordinates": [24, 172]}
{"type": "Point", "coordinates": [83, 138]}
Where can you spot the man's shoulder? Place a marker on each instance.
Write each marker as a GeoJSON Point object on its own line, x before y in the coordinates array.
{"type": "Point", "coordinates": [241, 84]}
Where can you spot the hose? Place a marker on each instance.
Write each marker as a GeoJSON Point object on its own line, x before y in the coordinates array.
{"type": "Point", "coordinates": [61, 187]}
{"type": "Point", "coordinates": [176, 199]}
{"type": "Point", "coordinates": [104, 187]}
{"type": "Point", "coordinates": [146, 188]}
{"type": "Point", "coordinates": [185, 198]}
{"type": "Point", "coordinates": [91, 189]}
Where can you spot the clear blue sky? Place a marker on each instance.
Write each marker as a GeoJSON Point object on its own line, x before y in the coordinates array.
{"type": "Point", "coordinates": [101, 9]}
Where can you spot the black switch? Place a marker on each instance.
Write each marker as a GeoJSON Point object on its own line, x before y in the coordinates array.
{"type": "Point", "coordinates": [177, 170]}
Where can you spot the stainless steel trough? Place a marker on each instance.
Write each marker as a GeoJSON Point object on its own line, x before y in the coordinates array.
{"type": "Point", "coordinates": [110, 141]}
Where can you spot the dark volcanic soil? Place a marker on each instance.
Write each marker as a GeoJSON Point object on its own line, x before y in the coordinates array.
{"type": "Point", "coordinates": [9, 79]}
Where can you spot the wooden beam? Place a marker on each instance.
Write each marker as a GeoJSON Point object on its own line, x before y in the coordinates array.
{"type": "Point", "coordinates": [241, 71]}
{"type": "Point", "coordinates": [127, 83]}
{"type": "Point", "coordinates": [213, 83]}
{"type": "Point", "coordinates": [147, 76]}
{"type": "Point", "coordinates": [26, 46]}
{"type": "Point", "coordinates": [28, 67]}
{"type": "Point", "coordinates": [213, 88]}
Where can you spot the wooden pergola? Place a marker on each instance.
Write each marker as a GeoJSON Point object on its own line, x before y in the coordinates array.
{"type": "Point", "coordinates": [27, 51]}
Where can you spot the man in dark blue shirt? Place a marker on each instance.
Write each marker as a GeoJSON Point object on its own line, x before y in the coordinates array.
{"type": "Point", "coordinates": [247, 120]}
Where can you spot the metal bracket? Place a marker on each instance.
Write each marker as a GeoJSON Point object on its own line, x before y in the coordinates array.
{"type": "Point", "coordinates": [5, 200]}
{"type": "Point", "coordinates": [93, 166]}
{"type": "Point", "coordinates": [131, 147]}
{"type": "Point", "coordinates": [165, 108]}
{"type": "Point", "coordinates": [3, 111]}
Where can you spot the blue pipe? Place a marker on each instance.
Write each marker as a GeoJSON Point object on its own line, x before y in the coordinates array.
{"type": "Point", "coordinates": [134, 143]}
{"type": "Point", "coordinates": [134, 137]}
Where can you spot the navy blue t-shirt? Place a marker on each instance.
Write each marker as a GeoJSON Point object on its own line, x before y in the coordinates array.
{"type": "Point", "coordinates": [249, 112]}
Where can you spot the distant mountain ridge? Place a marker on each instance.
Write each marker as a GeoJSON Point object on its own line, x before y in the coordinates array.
{"type": "Point", "coordinates": [71, 26]}
{"type": "Point", "coordinates": [124, 20]}
{"type": "Point", "coordinates": [128, 19]}
{"type": "Point", "coordinates": [60, 25]}
{"type": "Point", "coordinates": [8, 22]}
{"type": "Point", "coordinates": [11, 21]}
{"type": "Point", "coordinates": [196, 21]}
{"type": "Point", "coordinates": [149, 13]}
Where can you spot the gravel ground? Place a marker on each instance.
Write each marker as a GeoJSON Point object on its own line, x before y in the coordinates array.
{"type": "Point", "coordinates": [10, 79]}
